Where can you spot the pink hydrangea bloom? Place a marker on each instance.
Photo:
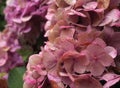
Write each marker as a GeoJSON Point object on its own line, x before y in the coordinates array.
{"type": "Point", "coordinates": [77, 53]}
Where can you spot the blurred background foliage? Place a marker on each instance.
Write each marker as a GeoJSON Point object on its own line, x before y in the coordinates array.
{"type": "Point", "coordinates": [2, 21]}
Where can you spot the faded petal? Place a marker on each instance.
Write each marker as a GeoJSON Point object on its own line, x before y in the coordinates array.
{"type": "Point", "coordinates": [90, 6]}
{"type": "Point", "coordinates": [70, 2]}
{"type": "Point", "coordinates": [74, 62]}
{"type": "Point", "coordinates": [105, 59]}
{"type": "Point", "coordinates": [86, 81]}
{"type": "Point", "coordinates": [34, 59]}
{"type": "Point", "coordinates": [100, 42]}
{"type": "Point", "coordinates": [96, 69]}
{"type": "Point", "coordinates": [79, 3]}
{"type": "Point", "coordinates": [110, 79]}
{"type": "Point", "coordinates": [95, 50]}
{"type": "Point", "coordinates": [112, 16]}
{"type": "Point", "coordinates": [79, 68]}
{"type": "Point", "coordinates": [49, 60]}
{"type": "Point", "coordinates": [103, 3]}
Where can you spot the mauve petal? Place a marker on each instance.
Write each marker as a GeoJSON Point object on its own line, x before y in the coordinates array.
{"type": "Point", "coordinates": [53, 75]}
{"type": "Point", "coordinates": [81, 63]}
{"type": "Point", "coordinates": [79, 3]}
{"type": "Point", "coordinates": [105, 22]}
{"type": "Point", "coordinates": [111, 83]}
{"type": "Point", "coordinates": [84, 38]}
{"type": "Point", "coordinates": [39, 70]}
{"type": "Point", "coordinates": [74, 12]}
{"type": "Point", "coordinates": [79, 68]}
{"type": "Point", "coordinates": [68, 64]}
{"type": "Point", "coordinates": [95, 50]}
{"type": "Point", "coordinates": [54, 79]}
{"type": "Point", "coordinates": [73, 61]}
{"type": "Point", "coordinates": [70, 2]}
{"type": "Point", "coordinates": [110, 79]}
{"type": "Point", "coordinates": [86, 81]}
{"type": "Point", "coordinates": [64, 44]}
{"type": "Point", "coordinates": [30, 80]}
{"type": "Point", "coordinates": [49, 60]}
{"type": "Point", "coordinates": [3, 57]}
{"type": "Point", "coordinates": [90, 6]}
{"type": "Point", "coordinates": [100, 42]}
{"type": "Point", "coordinates": [96, 68]}
{"type": "Point", "coordinates": [112, 16]}
{"type": "Point", "coordinates": [117, 24]}
{"type": "Point", "coordinates": [109, 76]}
{"type": "Point", "coordinates": [111, 51]}
{"type": "Point", "coordinates": [82, 59]}
{"type": "Point", "coordinates": [68, 60]}
{"type": "Point", "coordinates": [34, 59]}
{"type": "Point", "coordinates": [105, 59]}
{"type": "Point", "coordinates": [114, 40]}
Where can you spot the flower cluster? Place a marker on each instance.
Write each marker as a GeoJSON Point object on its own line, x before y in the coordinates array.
{"type": "Point", "coordinates": [9, 58]}
{"type": "Point", "coordinates": [26, 18]}
{"type": "Point", "coordinates": [83, 46]}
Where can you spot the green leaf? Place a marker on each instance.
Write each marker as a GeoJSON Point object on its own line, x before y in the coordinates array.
{"type": "Point", "coordinates": [25, 52]}
{"type": "Point", "coordinates": [15, 79]}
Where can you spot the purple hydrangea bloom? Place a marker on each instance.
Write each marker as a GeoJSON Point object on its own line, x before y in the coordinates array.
{"type": "Point", "coordinates": [26, 17]}
{"type": "Point", "coordinates": [8, 51]}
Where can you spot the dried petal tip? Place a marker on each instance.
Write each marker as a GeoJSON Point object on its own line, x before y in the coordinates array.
{"type": "Point", "coordinates": [70, 2]}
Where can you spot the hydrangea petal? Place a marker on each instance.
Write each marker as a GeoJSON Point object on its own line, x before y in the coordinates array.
{"type": "Point", "coordinates": [105, 59]}
{"type": "Point", "coordinates": [111, 51]}
{"type": "Point", "coordinates": [96, 69]}
{"type": "Point", "coordinates": [90, 6]}
{"type": "Point", "coordinates": [70, 2]}
{"type": "Point", "coordinates": [86, 81]}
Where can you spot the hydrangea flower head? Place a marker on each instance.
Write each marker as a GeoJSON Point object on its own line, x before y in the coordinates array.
{"type": "Point", "coordinates": [8, 51]}
{"type": "Point", "coordinates": [80, 49]}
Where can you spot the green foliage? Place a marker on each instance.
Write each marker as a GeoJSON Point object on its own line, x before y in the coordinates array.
{"type": "Point", "coordinates": [2, 21]}
{"type": "Point", "coordinates": [15, 79]}
{"type": "Point", "coordinates": [25, 52]}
